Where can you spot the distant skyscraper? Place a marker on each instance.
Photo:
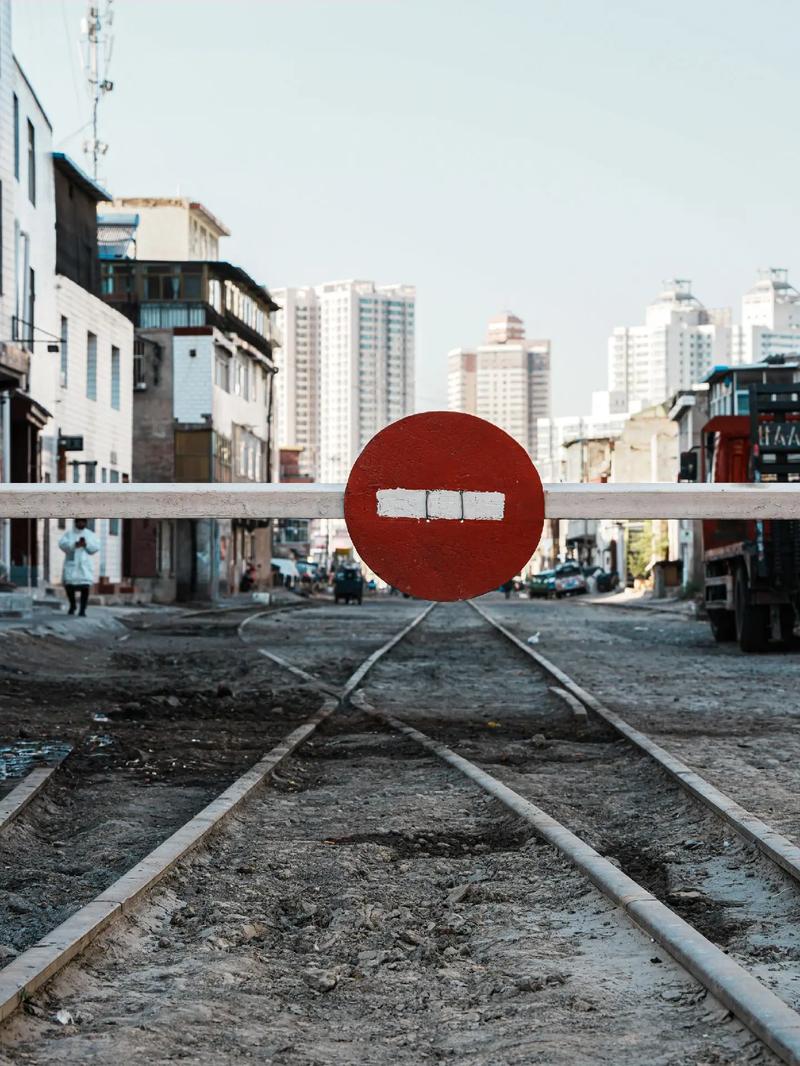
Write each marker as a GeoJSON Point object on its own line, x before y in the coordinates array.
{"type": "Point", "coordinates": [346, 369]}
{"type": "Point", "coordinates": [506, 380]}
{"type": "Point", "coordinates": [297, 380]}
{"type": "Point", "coordinates": [770, 320]}
{"type": "Point", "coordinates": [678, 345]}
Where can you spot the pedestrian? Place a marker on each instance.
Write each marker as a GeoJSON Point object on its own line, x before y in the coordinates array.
{"type": "Point", "coordinates": [507, 587]}
{"type": "Point", "coordinates": [248, 579]}
{"type": "Point", "coordinates": [78, 545]}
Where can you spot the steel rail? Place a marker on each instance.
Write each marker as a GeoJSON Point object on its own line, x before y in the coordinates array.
{"type": "Point", "coordinates": [764, 1013]}
{"type": "Point", "coordinates": [34, 967]}
{"type": "Point", "coordinates": [259, 501]}
{"type": "Point", "coordinates": [31, 969]}
{"type": "Point", "coordinates": [776, 847]}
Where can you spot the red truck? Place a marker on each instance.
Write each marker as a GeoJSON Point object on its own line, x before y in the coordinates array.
{"type": "Point", "coordinates": [752, 566]}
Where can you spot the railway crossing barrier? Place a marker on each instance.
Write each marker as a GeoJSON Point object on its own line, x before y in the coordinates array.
{"type": "Point", "coordinates": [204, 500]}
{"type": "Point", "coordinates": [440, 505]}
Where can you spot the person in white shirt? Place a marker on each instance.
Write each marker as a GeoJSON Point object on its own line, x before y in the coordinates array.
{"type": "Point", "coordinates": [79, 545]}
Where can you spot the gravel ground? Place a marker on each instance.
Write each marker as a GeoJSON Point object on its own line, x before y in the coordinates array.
{"type": "Point", "coordinates": [734, 718]}
{"type": "Point", "coordinates": [378, 911]}
{"type": "Point", "coordinates": [158, 724]}
{"type": "Point", "coordinates": [372, 906]}
{"type": "Point", "coordinates": [596, 784]}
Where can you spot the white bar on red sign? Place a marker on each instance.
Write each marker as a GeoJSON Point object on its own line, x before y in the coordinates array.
{"type": "Point", "coordinates": [446, 504]}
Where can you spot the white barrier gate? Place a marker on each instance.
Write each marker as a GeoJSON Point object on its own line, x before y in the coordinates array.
{"type": "Point", "coordinates": [203, 500]}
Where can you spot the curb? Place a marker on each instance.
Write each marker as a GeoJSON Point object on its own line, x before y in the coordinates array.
{"type": "Point", "coordinates": [15, 801]}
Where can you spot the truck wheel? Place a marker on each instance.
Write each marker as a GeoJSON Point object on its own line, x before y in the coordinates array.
{"type": "Point", "coordinates": [752, 620]}
{"type": "Point", "coordinates": [723, 625]}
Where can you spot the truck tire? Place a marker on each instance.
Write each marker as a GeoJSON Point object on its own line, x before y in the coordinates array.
{"type": "Point", "coordinates": [752, 620]}
{"type": "Point", "coordinates": [723, 625]}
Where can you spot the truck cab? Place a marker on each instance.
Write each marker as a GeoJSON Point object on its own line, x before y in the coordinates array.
{"type": "Point", "coordinates": [752, 566]}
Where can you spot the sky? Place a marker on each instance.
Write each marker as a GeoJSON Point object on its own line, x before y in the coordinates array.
{"type": "Point", "coordinates": [558, 160]}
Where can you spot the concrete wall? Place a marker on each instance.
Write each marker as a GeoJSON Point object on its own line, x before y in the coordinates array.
{"type": "Point", "coordinates": [168, 229]}
{"type": "Point", "coordinates": [193, 377]}
{"type": "Point", "coordinates": [7, 85]}
{"type": "Point", "coordinates": [153, 431]}
{"type": "Point", "coordinates": [38, 222]}
{"type": "Point", "coordinates": [106, 431]}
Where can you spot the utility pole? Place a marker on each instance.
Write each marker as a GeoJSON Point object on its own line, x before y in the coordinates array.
{"type": "Point", "coordinates": [97, 42]}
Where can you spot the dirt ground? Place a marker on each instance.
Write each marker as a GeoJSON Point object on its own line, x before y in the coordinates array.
{"type": "Point", "coordinates": [735, 718]}
{"type": "Point", "coordinates": [372, 906]}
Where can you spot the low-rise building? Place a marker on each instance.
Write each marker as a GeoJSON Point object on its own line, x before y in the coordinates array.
{"type": "Point", "coordinates": [689, 412]}
{"type": "Point", "coordinates": [92, 400]}
{"type": "Point", "coordinates": [203, 404]}
{"type": "Point", "coordinates": [31, 348]}
{"type": "Point", "coordinates": [168, 227]}
{"type": "Point", "coordinates": [645, 451]}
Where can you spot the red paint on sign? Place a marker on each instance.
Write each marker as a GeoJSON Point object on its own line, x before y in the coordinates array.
{"type": "Point", "coordinates": [445, 465]}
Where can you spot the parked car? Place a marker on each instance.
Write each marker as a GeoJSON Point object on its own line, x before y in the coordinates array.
{"type": "Point", "coordinates": [607, 580]}
{"type": "Point", "coordinates": [348, 584]}
{"type": "Point", "coordinates": [542, 584]}
{"type": "Point", "coordinates": [569, 580]}
{"type": "Point", "coordinates": [604, 580]}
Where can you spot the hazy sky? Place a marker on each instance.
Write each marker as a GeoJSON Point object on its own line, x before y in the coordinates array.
{"type": "Point", "coordinates": [558, 159]}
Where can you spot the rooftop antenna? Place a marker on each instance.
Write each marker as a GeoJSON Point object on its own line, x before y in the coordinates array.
{"type": "Point", "coordinates": [97, 42]}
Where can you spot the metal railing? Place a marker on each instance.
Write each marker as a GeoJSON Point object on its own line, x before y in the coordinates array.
{"type": "Point", "coordinates": [204, 500]}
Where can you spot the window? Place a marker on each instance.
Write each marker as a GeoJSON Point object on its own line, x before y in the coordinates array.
{"type": "Point", "coordinates": [16, 137]}
{"type": "Point", "coordinates": [222, 372]}
{"type": "Point", "coordinates": [138, 365]}
{"type": "Point", "coordinates": [115, 378]}
{"type": "Point", "coordinates": [91, 366]}
{"type": "Point", "coordinates": [113, 523]}
{"type": "Point", "coordinates": [31, 304]}
{"type": "Point", "coordinates": [64, 346]}
{"type": "Point", "coordinates": [31, 163]}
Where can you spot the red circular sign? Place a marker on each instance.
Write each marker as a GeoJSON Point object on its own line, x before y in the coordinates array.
{"type": "Point", "coordinates": [444, 506]}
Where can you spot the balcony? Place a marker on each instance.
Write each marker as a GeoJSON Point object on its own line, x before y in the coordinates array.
{"type": "Point", "coordinates": [166, 295]}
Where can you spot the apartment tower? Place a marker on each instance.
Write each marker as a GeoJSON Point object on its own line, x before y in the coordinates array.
{"type": "Point", "coordinates": [506, 380]}
{"type": "Point", "coordinates": [346, 369]}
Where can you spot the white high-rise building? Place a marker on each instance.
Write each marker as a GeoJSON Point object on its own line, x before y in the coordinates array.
{"type": "Point", "coordinates": [297, 380]}
{"type": "Point", "coordinates": [506, 380]}
{"type": "Point", "coordinates": [770, 319]}
{"type": "Point", "coordinates": [346, 369]}
{"type": "Point", "coordinates": [679, 344]}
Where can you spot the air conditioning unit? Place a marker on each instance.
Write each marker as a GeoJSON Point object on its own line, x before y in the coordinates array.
{"type": "Point", "coordinates": [140, 386]}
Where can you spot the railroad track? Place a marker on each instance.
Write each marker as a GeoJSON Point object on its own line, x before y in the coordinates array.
{"type": "Point", "coordinates": [561, 724]}
{"type": "Point", "coordinates": [151, 732]}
